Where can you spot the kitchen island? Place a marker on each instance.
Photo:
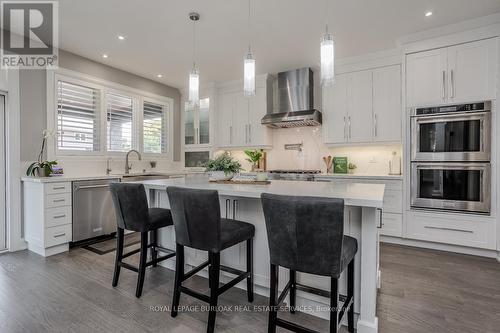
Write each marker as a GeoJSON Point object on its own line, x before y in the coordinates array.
{"type": "Point", "coordinates": [242, 201]}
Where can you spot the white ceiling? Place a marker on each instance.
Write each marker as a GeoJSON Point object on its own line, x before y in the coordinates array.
{"type": "Point", "coordinates": [285, 33]}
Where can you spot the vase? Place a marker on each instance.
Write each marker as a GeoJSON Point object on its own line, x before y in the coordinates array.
{"type": "Point", "coordinates": [40, 173]}
{"type": "Point", "coordinates": [220, 175]}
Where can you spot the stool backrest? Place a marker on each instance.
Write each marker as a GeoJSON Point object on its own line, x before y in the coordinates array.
{"type": "Point", "coordinates": [304, 233]}
{"type": "Point", "coordinates": [131, 205]}
{"type": "Point", "coordinates": [196, 216]}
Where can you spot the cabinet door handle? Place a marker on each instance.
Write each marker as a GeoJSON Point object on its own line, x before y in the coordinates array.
{"type": "Point", "coordinates": [249, 133]}
{"type": "Point", "coordinates": [444, 85]}
{"type": "Point", "coordinates": [449, 229]}
{"type": "Point", "coordinates": [344, 129]}
{"type": "Point", "coordinates": [59, 216]}
{"type": "Point", "coordinates": [59, 187]}
{"type": "Point", "coordinates": [246, 133]}
{"type": "Point", "coordinates": [60, 235]}
{"type": "Point", "coordinates": [375, 124]}
{"type": "Point", "coordinates": [349, 118]}
{"type": "Point", "coordinates": [452, 84]}
{"type": "Point", "coordinates": [228, 207]}
{"type": "Point", "coordinates": [59, 200]}
{"type": "Point", "coordinates": [235, 207]}
{"type": "Point", "coordinates": [230, 134]}
{"type": "Point", "coordinates": [197, 138]}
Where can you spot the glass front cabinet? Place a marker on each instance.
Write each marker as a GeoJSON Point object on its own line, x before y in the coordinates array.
{"type": "Point", "coordinates": [197, 131]}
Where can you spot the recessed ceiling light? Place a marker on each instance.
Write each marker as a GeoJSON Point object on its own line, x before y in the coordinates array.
{"type": "Point", "coordinates": [120, 37]}
{"type": "Point", "coordinates": [159, 75]}
{"type": "Point", "coordinates": [428, 14]}
{"type": "Point", "coordinates": [105, 56]}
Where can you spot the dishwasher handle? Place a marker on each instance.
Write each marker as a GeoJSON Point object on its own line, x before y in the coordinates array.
{"type": "Point", "coordinates": [78, 187]}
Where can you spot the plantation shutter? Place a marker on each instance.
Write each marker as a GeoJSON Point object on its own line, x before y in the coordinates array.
{"type": "Point", "coordinates": [77, 117]}
{"type": "Point", "coordinates": [154, 128]}
{"type": "Point", "coordinates": [119, 122]}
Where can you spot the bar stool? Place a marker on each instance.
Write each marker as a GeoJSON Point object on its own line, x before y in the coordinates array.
{"type": "Point", "coordinates": [133, 213]}
{"type": "Point", "coordinates": [306, 234]}
{"type": "Point", "coordinates": [198, 225]}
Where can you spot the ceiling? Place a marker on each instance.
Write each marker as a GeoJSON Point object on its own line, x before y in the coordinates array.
{"type": "Point", "coordinates": [285, 33]}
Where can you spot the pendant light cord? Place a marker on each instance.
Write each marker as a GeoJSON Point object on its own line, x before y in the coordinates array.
{"type": "Point", "coordinates": [249, 28]}
{"type": "Point", "coordinates": [326, 15]}
{"type": "Point", "coordinates": [194, 44]}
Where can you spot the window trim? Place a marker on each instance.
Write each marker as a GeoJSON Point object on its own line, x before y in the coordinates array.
{"type": "Point", "coordinates": [103, 86]}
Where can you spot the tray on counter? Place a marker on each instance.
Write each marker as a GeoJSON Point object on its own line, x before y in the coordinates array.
{"type": "Point", "coordinates": [245, 182]}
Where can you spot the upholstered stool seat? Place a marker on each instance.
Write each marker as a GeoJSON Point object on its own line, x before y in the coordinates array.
{"type": "Point", "coordinates": [198, 224]}
{"type": "Point", "coordinates": [133, 213]}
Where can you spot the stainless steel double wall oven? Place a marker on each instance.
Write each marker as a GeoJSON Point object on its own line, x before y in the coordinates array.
{"type": "Point", "coordinates": [450, 157]}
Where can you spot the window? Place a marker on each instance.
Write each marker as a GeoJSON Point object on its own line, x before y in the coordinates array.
{"type": "Point", "coordinates": [77, 117]}
{"type": "Point", "coordinates": [153, 128]}
{"type": "Point", "coordinates": [119, 110]}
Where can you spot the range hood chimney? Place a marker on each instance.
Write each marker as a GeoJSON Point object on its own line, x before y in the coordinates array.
{"type": "Point", "coordinates": [296, 101]}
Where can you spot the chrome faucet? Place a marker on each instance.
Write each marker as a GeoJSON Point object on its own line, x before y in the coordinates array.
{"type": "Point", "coordinates": [127, 166]}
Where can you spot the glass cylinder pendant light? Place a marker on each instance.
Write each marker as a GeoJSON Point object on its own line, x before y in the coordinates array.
{"type": "Point", "coordinates": [249, 66]}
{"type": "Point", "coordinates": [327, 59]}
{"type": "Point", "coordinates": [327, 54]}
{"type": "Point", "coordinates": [194, 77]}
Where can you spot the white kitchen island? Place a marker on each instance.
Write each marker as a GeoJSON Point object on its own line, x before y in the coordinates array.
{"type": "Point", "coordinates": [242, 201]}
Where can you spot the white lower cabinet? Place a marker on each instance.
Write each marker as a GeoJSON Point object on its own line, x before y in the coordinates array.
{"type": "Point", "coordinates": [47, 217]}
{"type": "Point", "coordinates": [455, 229]}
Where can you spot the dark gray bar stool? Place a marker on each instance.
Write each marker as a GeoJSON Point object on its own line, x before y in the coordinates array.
{"type": "Point", "coordinates": [306, 234]}
{"type": "Point", "coordinates": [133, 213]}
{"type": "Point", "coordinates": [198, 224]}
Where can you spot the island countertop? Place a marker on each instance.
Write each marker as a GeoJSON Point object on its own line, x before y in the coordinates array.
{"type": "Point", "coordinates": [354, 194]}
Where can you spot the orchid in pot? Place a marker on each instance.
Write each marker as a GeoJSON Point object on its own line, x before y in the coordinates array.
{"type": "Point", "coordinates": [223, 167]}
{"type": "Point", "coordinates": [42, 168]}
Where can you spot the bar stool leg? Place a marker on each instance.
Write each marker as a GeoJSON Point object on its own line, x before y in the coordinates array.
{"type": "Point", "coordinates": [293, 290]}
{"type": "Point", "coordinates": [142, 264]}
{"type": "Point", "coordinates": [334, 321]}
{"type": "Point", "coordinates": [273, 314]}
{"type": "Point", "coordinates": [154, 242]}
{"type": "Point", "coordinates": [214, 289]}
{"type": "Point", "coordinates": [119, 254]}
{"type": "Point", "coordinates": [350, 293]}
{"type": "Point", "coordinates": [250, 269]}
{"type": "Point", "coordinates": [179, 276]}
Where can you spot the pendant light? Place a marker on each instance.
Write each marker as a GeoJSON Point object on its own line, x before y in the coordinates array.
{"type": "Point", "coordinates": [327, 56]}
{"type": "Point", "coordinates": [249, 65]}
{"type": "Point", "coordinates": [194, 77]}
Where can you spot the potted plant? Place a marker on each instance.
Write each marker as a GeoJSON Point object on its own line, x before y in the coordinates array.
{"type": "Point", "coordinates": [224, 167]}
{"type": "Point", "coordinates": [41, 168]}
{"type": "Point", "coordinates": [254, 157]}
{"type": "Point", "coordinates": [352, 167]}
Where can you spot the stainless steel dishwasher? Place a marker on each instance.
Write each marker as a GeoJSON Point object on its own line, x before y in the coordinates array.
{"type": "Point", "coordinates": [93, 211]}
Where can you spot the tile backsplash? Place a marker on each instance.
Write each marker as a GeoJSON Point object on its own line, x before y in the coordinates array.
{"type": "Point", "coordinates": [369, 159]}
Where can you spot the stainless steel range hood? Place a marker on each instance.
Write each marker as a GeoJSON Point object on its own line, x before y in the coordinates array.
{"type": "Point", "coordinates": [296, 101]}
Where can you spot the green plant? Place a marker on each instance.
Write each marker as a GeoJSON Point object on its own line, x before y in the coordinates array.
{"type": "Point", "coordinates": [352, 166]}
{"type": "Point", "coordinates": [41, 167]}
{"type": "Point", "coordinates": [254, 157]}
{"type": "Point", "coordinates": [224, 163]}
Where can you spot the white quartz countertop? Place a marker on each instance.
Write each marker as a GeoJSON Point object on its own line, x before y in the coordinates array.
{"type": "Point", "coordinates": [357, 176]}
{"type": "Point", "coordinates": [354, 194]}
{"type": "Point", "coordinates": [66, 178]}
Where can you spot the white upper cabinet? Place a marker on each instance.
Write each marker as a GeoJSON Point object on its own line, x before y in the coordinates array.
{"type": "Point", "coordinates": [335, 111]}
{"type": "Point", "coordinates": [456, 74]}
{"type": "Point", "coordinates": [363, 107]}
{"type": "Point", "coordinates": [472, 71]}
{"type": "Point", "coordinates": [387, 104]}
{"type": "Point", "coordinates": [239, 116]}
{"type": "Point", "coordinates": [360, 100]}
{"type": "Point", "coordinates": [426, 78]}
{"type": "Point", "coordinates": [197, 130]}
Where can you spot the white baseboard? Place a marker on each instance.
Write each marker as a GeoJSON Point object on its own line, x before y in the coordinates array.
{"type": "Point", "coordinates": [441, 247]}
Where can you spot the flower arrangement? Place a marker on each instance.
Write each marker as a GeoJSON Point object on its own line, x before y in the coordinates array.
{"type": "Point", "coordinates": [42, 168]}
{"type": "Point", "coordinates": [223, 167]}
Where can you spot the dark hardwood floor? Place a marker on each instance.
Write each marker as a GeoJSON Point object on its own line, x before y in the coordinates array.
{"type": "Point", "coordinates": [422, 291]}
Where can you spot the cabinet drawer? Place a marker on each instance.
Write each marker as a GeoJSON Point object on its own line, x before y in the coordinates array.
{"type": "Point", "coordinates": [58, 235]}
{"type": "Point", "coordinates": [393, 201]}
{"type": "Point", "coordinates": [450, 229]}
{"type": "Point", "coordinates": [392, 225]}
{"type": "Point", "coordinates": [55, 188]}
{"type": "Point", "coordinates": [57, 200]}
{"type": "Point", "coordinates": [57, 216]}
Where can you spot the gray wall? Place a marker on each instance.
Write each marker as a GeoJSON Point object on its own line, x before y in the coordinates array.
{"type": "Point", "coordinates": [33, 98]}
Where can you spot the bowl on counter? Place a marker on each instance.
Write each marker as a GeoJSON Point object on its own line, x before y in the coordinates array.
{"type": "Point", "coordinates": [219, 175]}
